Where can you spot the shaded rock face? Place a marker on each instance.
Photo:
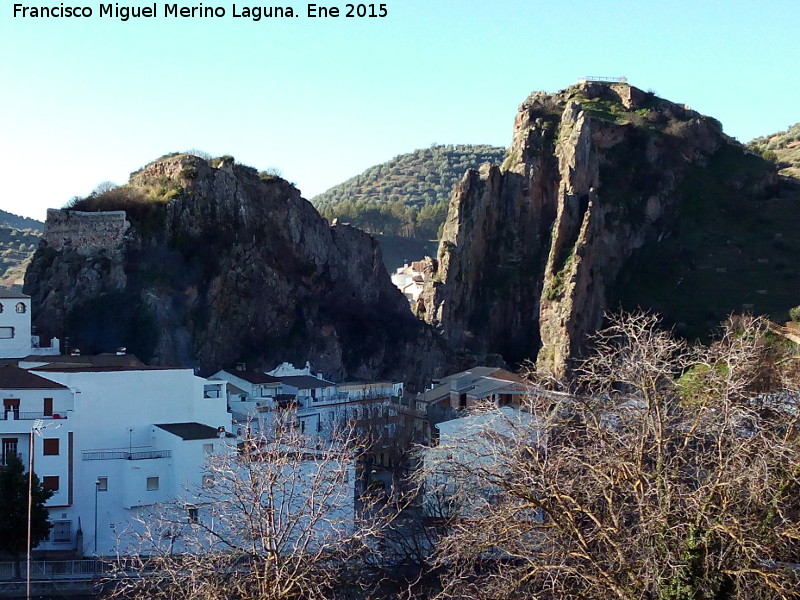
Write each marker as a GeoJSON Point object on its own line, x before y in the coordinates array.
{"type": "Point", "coordinates": [532, 250]}
{"type": "Point", "coordinates": [222, 265]}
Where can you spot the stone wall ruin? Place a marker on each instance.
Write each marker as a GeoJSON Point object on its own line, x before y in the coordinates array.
{"type": "Point", "coordinates": [86, 232]}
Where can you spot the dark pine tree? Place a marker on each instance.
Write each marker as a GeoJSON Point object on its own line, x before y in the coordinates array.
{"type": "Point", "coordinates": [14, 510]}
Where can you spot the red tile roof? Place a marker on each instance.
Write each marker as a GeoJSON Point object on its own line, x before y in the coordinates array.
{"type": "Point", "coordinates": [14, 378]}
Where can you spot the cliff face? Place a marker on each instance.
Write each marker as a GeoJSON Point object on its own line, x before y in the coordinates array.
{"type": "Point", "coordinates": [532, 251]}
{"type": "Point", "coordinates": [213, 265]}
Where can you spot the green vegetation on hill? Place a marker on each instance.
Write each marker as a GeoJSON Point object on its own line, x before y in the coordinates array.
{"type": "Point", "coordinates": [408, 195]}
{"type": "Point", "coordinates": [144, 207]}
{"type": "Point", "coordinates": [782, 147]}
{"type": "Point", "coordinates": [17, 222]}
{"type": "Point", "coordinates": [16, 248]}
{"type": "Point", "coordinates": [19, 237]}
{"type": "Point", "coordinates": [732, 249]}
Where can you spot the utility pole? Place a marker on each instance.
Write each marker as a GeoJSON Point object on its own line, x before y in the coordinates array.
{"type": "Point", "coordinates": [36, 428]}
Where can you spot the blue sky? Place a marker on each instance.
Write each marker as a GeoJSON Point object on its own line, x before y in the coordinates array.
{"type": "Point", "coordinates": [90, 100]}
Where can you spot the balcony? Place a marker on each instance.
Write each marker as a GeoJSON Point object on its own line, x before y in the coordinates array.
{"type": "Point", "coordinates": [125, 454]}
{"type": "Point", "coordinates": [19, 415]}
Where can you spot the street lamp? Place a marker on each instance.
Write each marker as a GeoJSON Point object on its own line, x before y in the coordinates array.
{"type": "Point", "coordinates": [36, 428]}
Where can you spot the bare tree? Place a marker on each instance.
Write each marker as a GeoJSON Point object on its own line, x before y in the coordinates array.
{"type": "Point", "coordinates": [104, 187]}
{"type": "Point", "coordinates": [274, 519]}
{"type": "Point", "coordinates": [670, 473]}
{"type": "Point", "coordinates": [387, 433]}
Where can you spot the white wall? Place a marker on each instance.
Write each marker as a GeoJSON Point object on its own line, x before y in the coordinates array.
{"type": "Point", "coordinates": [32, 403]}
{"type": "Point", "coordinates": [20, 344]}
{"type": "Point", "coordinates": [469, 446]}
{"type": "Point", "coordinates": [115, 411]}
{"type": "Point", "coordinates": [31, 407]}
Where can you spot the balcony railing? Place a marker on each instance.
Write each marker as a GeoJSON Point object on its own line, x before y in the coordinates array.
{"type": "Point", "coordinates": [19, 415]}
{"type": "Point", "coordinates": [348, 397]}
{"type": "Point", "coordinates": [57, 569]}
{"type": "Point", "coordinates": [125, 454]}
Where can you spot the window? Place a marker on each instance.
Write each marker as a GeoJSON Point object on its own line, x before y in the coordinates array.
{"type": "Point", "coordinates": [152, 484]}
{"type": "Point", "coordinates": [9, 448]}
{"type": "Point", "coordinates": [50, 482]}
{"type": "Point", "coordinates": [48, 407]}
{"type": "Point", "coordinates": [50, 447]}
{"type": "Point", "coordinates": [21, 308]}
{"type": "Point", "coordinates": [1, 307]}
{"type": "Point", "coordinates": [11, 406]}
{"type": "Point", "coordinates": [193, 513]}
{"type": "Point", "coordinates": [6, 333]}
{"type": "Point", "coordinates": [102, 484]}
{"type": "Point", "coordinates": [208, 448]}
{"type": "Point", "coordinates": [61, 531]}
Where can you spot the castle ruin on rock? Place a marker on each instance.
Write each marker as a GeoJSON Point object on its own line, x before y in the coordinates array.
{"type": "Point", "coordinates": [86, 232]}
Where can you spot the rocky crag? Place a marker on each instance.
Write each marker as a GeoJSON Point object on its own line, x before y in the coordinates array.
{"type": "Point", "coordinates": [607, 197]}
{"type": "Point", "coordinates": [210, 263]}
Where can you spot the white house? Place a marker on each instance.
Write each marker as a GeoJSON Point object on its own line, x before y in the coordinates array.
{"type": "Point", "coordinates": [28, 401]}
{"type": "Point", "coordinates": [410, 279]}
{"type": "Point", "coordinates": [16, 339]}
{"type": "Point", "coordinates": [128, 438]}
{"type": "Point", "coordinates": [319, 405]}
{"type": "Point", "coordinates": [466, 390]}
{"type": "Point", "coordinates": [257, 496]}
{"type": "Point", "coordinates": [469, 448]}
{"type": "Point", "coordinates": [249, 392]}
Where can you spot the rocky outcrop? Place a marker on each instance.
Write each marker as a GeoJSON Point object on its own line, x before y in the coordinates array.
{"type": "Point", "coordinates": [221, 264]}
{"type": "Point", "coordinates": [532, 251]}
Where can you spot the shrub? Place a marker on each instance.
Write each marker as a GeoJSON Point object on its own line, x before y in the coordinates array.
{"type": "Point", "coordinates": [794, 314]}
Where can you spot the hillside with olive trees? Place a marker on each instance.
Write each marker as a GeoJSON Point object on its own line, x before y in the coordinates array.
{"type": "Point", "coordinates": [19, 237]}
{"type": "Point", "coordinates": [406, 196]}
{"type": "Point", "coordinates": [783, 148]}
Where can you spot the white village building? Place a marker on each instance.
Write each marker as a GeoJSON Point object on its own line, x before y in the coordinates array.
{"type": "Point", "coordinates": [16, 339]}
{"type": "Point", "coordinates": [457, 481]}
{"type": "Point", "coordinates": [319, 406]}
{"type": "Point", "coordinates": [410, 279]}
{"type": "Point", "coordinates": [113, 440]}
